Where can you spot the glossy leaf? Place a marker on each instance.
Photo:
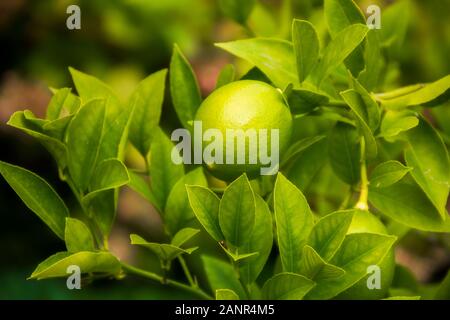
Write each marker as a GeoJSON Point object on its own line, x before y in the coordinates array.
{"type": "Point", "coordinates": [260, 241]}
{"type": "Point", "coordinates": [84, 138]}
{"type": "Point", "coordinates": [396, 122]}
{"type": "Point", "coordinates": [37, 195]}
{"type": "Point", "coordinates": [221, 275]}
{"type": "Point", "coordinates": [340, 14]}
{"type": "Point", "coordinates": [164, 173]}
{"type": "Point", "coordinates": [388, 173]}
{"type": "Point", "coordinates": [274, 57]}
{"type": "Point", "coordinates": [374, 62]}
{"type": "Point", "coordinates": [183, 236]}
{"type": "Point", "coordinates": [141, 186]}
{"type": "Point", "coordinates": [62, 104]}
{"type": "Point", "coordinates": [429, 159]}
{"type": "Point", "coordinates": [406, 203]}
{"type": "Point", "coordinates": [117, 115]}
{"type": "Point", "coordinates": [287, 286]}
{"type": "Point", "coordinates": [338, 50]}
{"type": "Point", "coordinates": [357, 252]}
{"type": "Point", "coordinates": [226, 294]}
{"type": "Point", "coordinates": [146, 101]}
{"type": "Point", "coordinates": [315, 268]}
{"type": "Point", "coordinates": [164, 251]}
{"type": "Point", "coordinates": [303, 100]}
{"type": "Point", "coordinates": [358, 106]}
{"type": "Point", "coordinates": [306, 47]}
{"type": "Point", "coordinates": [183, 87]}
{"type": "Point", "coordinates": [178, 212]}
{"type": "Point", "coordinates": [56, 148]}
{"type": "Point", "coordinates": [205, 205]}
{"type": "Point", "coordinates": [237, 212]}
{"type": "Point", "coordinates": [422, 94]}
{"type": "Point", "coordinates": [343, 149]}
{"type": "Point", "coordinates": [329, 232]}
{"type": "Point", "coordinates": [88, 262]}
{"type": "Point", "coordinates": [77, 236]}
{"type": "Point", "coordinates": [298, 147]}
{"type": "Point", "coordinates": [294, 222]}
{"type": "Point", "coordinates": [226, 75]}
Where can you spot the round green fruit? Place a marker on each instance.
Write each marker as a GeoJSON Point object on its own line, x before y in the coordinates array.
{"type": "Point", "coordinates": [245, 106]}
{"type": "Point", "coordinates": [366, 222]}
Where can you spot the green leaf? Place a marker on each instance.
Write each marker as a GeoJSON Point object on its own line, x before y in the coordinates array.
{"type": "Point", "coordinates": [287, 286]}
{"type": "Point", "coordinates": [164, 251]}
{"type": "Point", "coordinates": [418, 94]}
{"type": "Point", "coordinates": [56, 148]}
{"type": "Point", "coordinates": [340, 14]}
{"type": "Point", "coordinates": [274, 57]}
{"type": "Point", "coordinates": [77, 236]}
{"type": "Point", "coordinates": [306, 47]}
{"type": "Point", "coordinates": [84, 138]}
{"type": "Point", "coordinates": [395, 18]}
{"type": "Point", "coordinates": [429, 159]}
{"type": "Point", "coordinates": [62, 104]}
{"type": "Point", "coordinates": [164, 172]}
{"type": "Point", "coordinates": [388, 173]}
{"type": "Point", "coordinates": [315, 268]}
{"type": "Point", "coordinates": [406, 203]}
{"type": "Point", "coordinates": [221, 275]}
{"type": "Point", "coordinates": [109, 174]}
{"type": "Point", "coordinates": [337, 50]}
{"type": "Point", "coordinates": [146, 101]}
{"type": "Point", "coordinates": [236, 9]}
{"type": "Point", "coordinates": [178, 212]}
{"type": "Point", "coordinates": [396, 122]}
{"type": "Point", "coordinates": [205, 205]}
{"type": "Point", "coordinates": [141, 186]}
{"type": "Point", "coordinates": [183, 87]}
{"type": "Point", "coordinates": [303, 100]}
{"type": "Point", "coordinates": [329, 232]}
{"type": "Point", "coordinates": [37, 195]}
{"type": "Point", "coordinates": [226, 294]}
{"type": "Point", "coordinates": [298, 147]}
{"type": "Point", "coordinates": [260, 241]}
{"type": "Point", "coordinates": [368, 107]}
{"type": "Point", "coordinates": [88, 262]}
{"type": "Point", "coordinates": [306, 166]}
{"type": "Point", "coordinates": [356, 103]}
{"type": "Point", "coordinates": [374, 61]}
{"type": "Point", "coordinates": [344, 153]}
{"type": "Point", "coordinates": [237, 257]}
{"type": "Point", "coordinates": [357, 252]}
{"type": "Point", "coordinates": [237, 211]}
{"type": "Point", "coordinates": [58, 128]}
{"type": "Point", "coordinates": [226, 75]}
{"type": "Point", "coordinates": [183, 236]}
{"type": "Point", "coordinates": [117, 115]}
{"type": "Point", "coordinates": [294, 222]}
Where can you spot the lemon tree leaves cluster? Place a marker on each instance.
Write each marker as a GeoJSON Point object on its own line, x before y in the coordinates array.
{"type": "Point", "coordinates": [357, 150]}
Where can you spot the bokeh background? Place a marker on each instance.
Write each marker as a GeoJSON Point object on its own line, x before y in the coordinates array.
{"type": "Point", "coordinates": [120, 42]}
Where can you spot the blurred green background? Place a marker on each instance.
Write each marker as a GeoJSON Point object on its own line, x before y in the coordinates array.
{"type": "Point", "coordinates": [120, 42]}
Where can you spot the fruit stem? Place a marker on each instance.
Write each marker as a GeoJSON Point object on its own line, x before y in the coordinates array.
{"type": "Point", "coordinates": [175, 284]}
{"type": "Point", "coordinates": [364, 192]}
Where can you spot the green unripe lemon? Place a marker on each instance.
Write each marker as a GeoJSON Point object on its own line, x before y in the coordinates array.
{"type": "Point", "coordinates": [244, 105]}
{"type": "Point", "coordinates": [366, 222]}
